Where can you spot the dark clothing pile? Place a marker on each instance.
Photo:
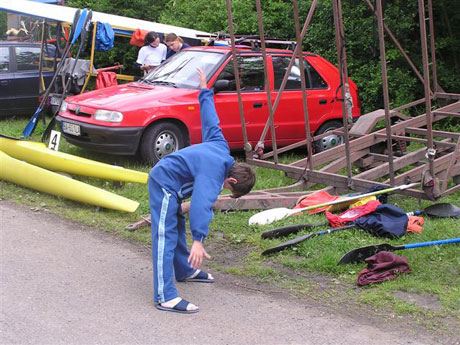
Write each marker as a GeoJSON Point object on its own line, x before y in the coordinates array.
{"type": "Point", "coordinates": [381, 267]}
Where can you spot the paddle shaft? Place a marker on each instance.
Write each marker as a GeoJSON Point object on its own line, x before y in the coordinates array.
{"type": "Point", "coordinates": [289, 229]}
{"type": "Point", "coordinates": [360, 254]}
{"type": "Point", "coordinates": [297, 240]}
{"type": "Point", "coordinates": [84, 30]}
{"type": "Point", "coordinates": [30, 127]}
{"type": "Point", "coordinates": [426, 244]}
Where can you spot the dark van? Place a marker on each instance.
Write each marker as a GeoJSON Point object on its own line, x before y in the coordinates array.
{"type": "Point", "coordinates": [19, 77]}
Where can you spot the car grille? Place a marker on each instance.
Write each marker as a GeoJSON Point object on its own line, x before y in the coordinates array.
{"type": "Point", "coordinates": [79, 113]}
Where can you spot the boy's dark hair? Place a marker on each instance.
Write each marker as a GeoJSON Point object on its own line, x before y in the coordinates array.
{"type": "Point", "coordinates": [150, 37]}
{"type": "Point", "coordinates": [245, 177]}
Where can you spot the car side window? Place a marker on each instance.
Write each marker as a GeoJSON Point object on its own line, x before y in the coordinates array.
{"type": "Point", "coordinates": [280, 66]}
{"type": "Point", "coordinates": [4, 59]}
{"type": "Point", "coordinates": [251, 70]}
{"type": "Point", "coordinates": [317, 82]}
{"type": "Point", "coordinates": [27, 58]}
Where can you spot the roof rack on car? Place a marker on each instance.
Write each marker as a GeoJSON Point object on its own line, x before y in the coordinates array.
{"type": "Point", "coordinates": [253, 41]}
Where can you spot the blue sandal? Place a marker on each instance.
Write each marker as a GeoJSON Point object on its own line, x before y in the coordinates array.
{"type": "Point", "coordinates": [201, 277]}
{"type": "Point", "coordinates": [180, 307]}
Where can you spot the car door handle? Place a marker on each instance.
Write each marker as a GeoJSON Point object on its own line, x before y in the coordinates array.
{"type": "Point", "coordinates": [323, 101]}
{"type": "Point", "coordinates": [3, 82]}
{"type": "Point", "coordinates": [257, 105]}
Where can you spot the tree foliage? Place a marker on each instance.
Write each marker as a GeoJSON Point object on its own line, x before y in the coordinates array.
{"type": "Point", "coordinates": [361, 36]}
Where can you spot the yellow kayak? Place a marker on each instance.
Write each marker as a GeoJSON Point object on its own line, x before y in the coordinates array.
{"type": "Point", "coordinates": [33, 177]}
{"type": "Point", "coordinates": [38, 154]}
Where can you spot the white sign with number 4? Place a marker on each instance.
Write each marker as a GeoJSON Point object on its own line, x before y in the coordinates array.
{"type": "Point", "coordinates": [55, 137]}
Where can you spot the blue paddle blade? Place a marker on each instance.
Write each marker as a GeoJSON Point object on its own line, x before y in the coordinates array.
{"type": "Point", "coordinates": [80, 24]}
{"type": "Point", "coordinates": [29, 129]}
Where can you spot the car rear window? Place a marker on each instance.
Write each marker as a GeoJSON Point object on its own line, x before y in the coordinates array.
{"type": "Point", "coordinates": [4, 59]}
{"type": "Point", "coordinates": [312, 78]}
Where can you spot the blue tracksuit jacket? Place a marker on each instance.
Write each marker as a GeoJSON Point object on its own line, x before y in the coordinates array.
{"type": "Point", "coordinates": [199, 170]}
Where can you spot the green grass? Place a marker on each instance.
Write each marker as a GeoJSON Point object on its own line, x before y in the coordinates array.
{"type": "Point", "coordinates": [435, 270]}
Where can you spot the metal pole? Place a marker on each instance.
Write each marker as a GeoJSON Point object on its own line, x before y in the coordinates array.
{"type": "Point", "coordinates": [260, 144]}
{"type": "Point", "coordinates": [303, 84]}
{"type": "Point", "coordinates": [426, 75]}
{"type": "Point", "coordinates": [41, 82]}
{"type": "Point", "coordinates": [267, 80]}
{"type": "Point", "coordinates": [247, 145]}
{"type": "Point", "coordinates": [432, 47]}
{"type": "Point", "coordinates": [342, 61]}
{"type": "Point", "coordinates": [91, 58]}
{"type": "Point", "coordinates": [396, 43]}
{"type": "Point", "coordinates": [455, 156]}
{"type": "Point", "coordinates": [386, 98]}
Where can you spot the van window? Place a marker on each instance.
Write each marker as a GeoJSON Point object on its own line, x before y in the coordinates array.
{"type": "Point", "coordinates": [27, 58]}
{"type": "Point", "coordinates": [4, 59]}
{"type": "Point", "coordinates": [251, 69]}
{"type": "Point", "coordinates": [280, 65]}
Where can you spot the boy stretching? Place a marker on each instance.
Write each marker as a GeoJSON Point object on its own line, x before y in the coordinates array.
{"type": "Point", "coordinates": [200, 172]}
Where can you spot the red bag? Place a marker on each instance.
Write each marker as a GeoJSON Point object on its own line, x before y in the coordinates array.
{"type": "Point", "coordinates": [137, 38]}
{"type": "Point", "coordinates": [106, 79]}
{"type": "Point", "coordinates": [352, 213]}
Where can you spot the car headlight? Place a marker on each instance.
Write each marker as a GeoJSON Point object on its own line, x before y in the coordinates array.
{"type": "Point", "coordinates": [108, 116]}
{"type": "Point", "coordinates": [63, 107]}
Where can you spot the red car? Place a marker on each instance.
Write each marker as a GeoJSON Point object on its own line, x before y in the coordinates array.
{"type": "Point", "coordinates": [159, 114]}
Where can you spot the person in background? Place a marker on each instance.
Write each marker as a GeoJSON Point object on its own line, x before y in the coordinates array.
{"type": "Point", "coordinates": [174, 43]}
{"type": "Point", "coordinates": [152, 53]}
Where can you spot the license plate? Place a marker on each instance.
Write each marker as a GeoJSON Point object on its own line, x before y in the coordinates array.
{"type": "Point", "coordinates": [54, 100]}
{"type": "Point", "coordinates": [71, 128]}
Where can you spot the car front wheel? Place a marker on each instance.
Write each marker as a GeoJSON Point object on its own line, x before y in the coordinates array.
{"type": "Point", "coordinates": [160, 140]}
{"type": "Point", "coordinates": [331, 140]}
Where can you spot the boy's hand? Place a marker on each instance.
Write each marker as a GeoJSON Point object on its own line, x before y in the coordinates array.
{"type": "Point", "coordinates": [196, 255]}
{"type": "Point", "coordinates": [203, 84]}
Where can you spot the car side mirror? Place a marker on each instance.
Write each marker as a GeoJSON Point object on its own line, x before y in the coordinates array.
{"type": "Point", "coordinates": [221, 85]}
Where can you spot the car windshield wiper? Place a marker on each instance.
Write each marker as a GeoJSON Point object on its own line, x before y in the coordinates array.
{"type": "Point", "coordinates": [161, 82]}
{"type": "Point", "coordinates": [145, 80]}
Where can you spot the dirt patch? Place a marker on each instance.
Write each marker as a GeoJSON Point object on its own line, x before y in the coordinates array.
{"type": "Point", "coordinates": [425, 301]}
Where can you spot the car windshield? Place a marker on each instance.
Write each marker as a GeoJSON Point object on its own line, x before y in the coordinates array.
{"type": "Point", "coordinates": [180, 69]}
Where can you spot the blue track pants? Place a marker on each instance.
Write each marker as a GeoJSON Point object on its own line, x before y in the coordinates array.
{"type": "Point", "coordinates": [169, 246]}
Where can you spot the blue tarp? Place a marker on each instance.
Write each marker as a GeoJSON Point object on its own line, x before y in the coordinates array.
{"type": "Point", "coordinates": [104, 37]}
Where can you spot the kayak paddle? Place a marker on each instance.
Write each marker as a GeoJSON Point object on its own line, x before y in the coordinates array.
{"type": "Point", "coordinates": [442, 210]}
{"type": "Point", "coordinates": [78, 20]}
{"type": "Point", "coordinates": [274, 214]}
{"type": "Point", "coordinates": [289, 229]}
{"type": "Point", "coordinates": [359, 254]}
{"type": "Point", "coordinates": [84, 31]}
{"type": "Point", "coordinates": [299, 239]}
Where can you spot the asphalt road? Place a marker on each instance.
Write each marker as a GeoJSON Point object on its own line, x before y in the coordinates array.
{"type": "Point", "coordinates": [63, 283]}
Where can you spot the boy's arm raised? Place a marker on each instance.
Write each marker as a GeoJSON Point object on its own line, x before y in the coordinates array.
{"type": "Point", "coordinates": [210, 129]}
